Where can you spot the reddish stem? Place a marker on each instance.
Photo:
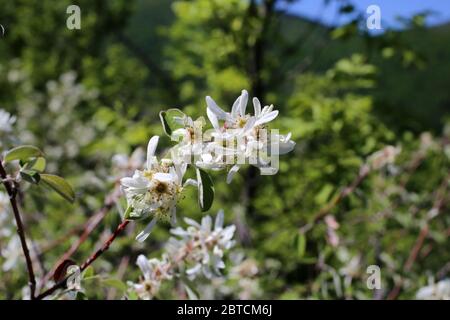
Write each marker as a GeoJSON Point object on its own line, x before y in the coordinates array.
{"type": "Point", "coordinates": [89, 261]}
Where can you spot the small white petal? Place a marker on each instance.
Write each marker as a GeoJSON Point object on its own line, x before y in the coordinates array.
{"type": "Point", "coordinates": [191, 222]}
{"type": "Point", "coordinates": [231, 173]}
{"type": "Point", "coordinates": [212, 118]}
{"type": "Point", "coordinates": [257, 106]}
{"type": "Point", "coordinates": [193, 270]}
{"type": "Point", "coordinates": [146, 232]}
{"type": "Point", "coordinates": [249, 125]}
{"type": "Point", "coordinates": [163, 177]}
{"type": "Point", "coordinates": [235, 108]}
{"type": "Point", "coordinates": [142, 263]}
{"type": "Point", "coordinates": [222, 115]}
{"type": "Point", "coordinates": [206, 223]}
{"type": "Point", "coordinates": [219, 220]}
{"type": "Point", "coordinates": [267, 117]}
{"type": "Point", "coordinates": [190, 182]}
{"type": "Point", "coordinates": [151, 148]}
{"type": "Point", "coordinates": [243, 102]}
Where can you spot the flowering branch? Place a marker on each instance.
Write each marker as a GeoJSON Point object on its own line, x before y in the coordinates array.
{"type": "Point", "coordinates": [12, 192]}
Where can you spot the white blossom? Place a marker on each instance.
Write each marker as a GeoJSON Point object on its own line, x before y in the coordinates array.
{"type": "Point", "coordinates": [201, 246]}
{"type": "Point", "coordinates": [154, 192]}
{"type": "Point", "coordinates": [437, 291]}
{"type": "Point", "coordinates": [6, 121]}
{"type": "Point", "coordinates": [154, 272]}
{"type": "Point", "coordinates": [197, 250]}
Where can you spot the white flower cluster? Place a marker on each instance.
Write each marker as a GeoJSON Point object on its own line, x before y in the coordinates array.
{"type": "Point", "coordinates": [195, 251]}
{"type": "Point", "coordinates": [201, 247]}
{"type": "Point", "coordinates": [237, 137]}
{"type": "Point", "coordinates": [155, 191]}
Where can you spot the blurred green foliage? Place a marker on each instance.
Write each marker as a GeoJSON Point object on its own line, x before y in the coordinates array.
{"type": "Point", "coordinates": [84, 95]}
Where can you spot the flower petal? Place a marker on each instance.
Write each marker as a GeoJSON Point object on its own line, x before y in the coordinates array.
{"type": "Point", "coordinates": [243, 102]}
{"type": "Point", "coordinates": [267, 117]}
{"type": "Point", "coordinates": [163, 177]}
{"type": "Point", "coordinates": [212, 118]}
{"type": "Point", "coordinates": [142, 263]}
{"type": "Point", "coordinates": [235, 108]}
{"type": "Point", "coordinates": [231, 173]}
{"type": "Point", "coordinates": [221, 115]}
{"type": "Point", "coordinates": [146, 232]}
{"type": "Point", "coordinates": [219, 220]}
{"type": "Point", "coordinates": [151, 148]}
{"type": "Point", "coordinates": [190, 182]}
{"type": "Point", "coordinates": [257, 106]}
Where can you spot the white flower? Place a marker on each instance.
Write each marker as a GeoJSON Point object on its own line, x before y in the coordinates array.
{"type": "Point", "coordinates": [383, 157]}
{"type": "Point", "coordinates": [6, 121]}
{"type": "Point", "coordinates": [437, 291]}
{"type": "Point", "coordinates": [154, 191]}
{"type": "Point", "coordinates": [154, 271]}
{"type": "Point", "coordinates": [201, 247]}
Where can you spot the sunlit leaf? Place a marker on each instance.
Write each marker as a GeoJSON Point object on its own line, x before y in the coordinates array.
{"type": "Point", "coordinates": [170, 120]}
{"type": "Point", "coordinates": [60, 185]}
{"type": "Point", "coordinates": [23, 153]}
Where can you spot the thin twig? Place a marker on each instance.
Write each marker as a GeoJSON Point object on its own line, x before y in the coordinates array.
{"type": "Point", "coordinates": [12, 192]}
{"type": "Point", "coordinates": [433, 213]}
{"type": "Point", "coordinates": [345, 192]}
{"type": "Point", "coordinates": [89, 227]}
{"type": "Point", "coordinates": [89, 261]}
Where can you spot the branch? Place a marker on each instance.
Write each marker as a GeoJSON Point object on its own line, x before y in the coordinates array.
{"type": "Point", "coordinates": [345, 192]}
{"type": "Point", "coordinates": [89, 227]}
{"type": "Point", "coordinates": [61, 284]}
{"type": "Point", "coordinates": [12, 192]}
{"type": "Point", "coordinates": [433, 213]}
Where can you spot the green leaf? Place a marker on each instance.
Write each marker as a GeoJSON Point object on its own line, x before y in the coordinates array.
{"type": "Point", "coordinates": [30, 176]}
{"type": "Point", "coordinates": [300, 245]}
{"type": "Point", "coordinates": [23, 153]}
{"type": "Point", "coordinates": [205, 190]}
{"type": "Point", "coordinates": [127, 213]}
{"type": "Point", "coordinates": [88, 273]}
{"type": "Point", "coordinates": [36, 164]}
{"type": "Point", "coordinates": [169, 122]}
{"type": "Point", "coordinates": [115, 283]}
{"type": "Point", "coordinates": [61, 186]}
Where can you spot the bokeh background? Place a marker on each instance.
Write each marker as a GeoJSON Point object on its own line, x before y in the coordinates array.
{"type": "Point", "coordinates": [345, 92]}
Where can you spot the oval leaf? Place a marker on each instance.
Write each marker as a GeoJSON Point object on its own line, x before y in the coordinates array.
{"type": "Point", "coordinates": [115, 283]}
{"type": "Point", "coordinates": [61, 186]}
{"type": "Point", "coordinates": [36, 164]}
{"type": "Point", "coordinates": [169, 120]}
{"type": "Point", "coordinates": [30, 176]}
{"type": "Point", "coordinates": [205, 190]}
{"type": "Point", "coordinates": [23, 153]}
